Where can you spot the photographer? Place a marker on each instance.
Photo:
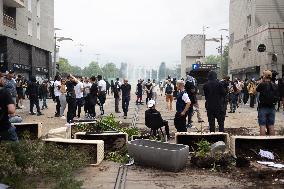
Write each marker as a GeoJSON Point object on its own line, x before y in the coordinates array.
{"type": "Point", "coordinates": [71, 97]}
{"type": "Point", "coordinates": [268, 95]}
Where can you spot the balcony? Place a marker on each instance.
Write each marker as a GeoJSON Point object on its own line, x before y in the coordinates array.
{"type": "Point", "coordinates": [9, 21]}
{"type": "Point", "coordinates": [14, 3]}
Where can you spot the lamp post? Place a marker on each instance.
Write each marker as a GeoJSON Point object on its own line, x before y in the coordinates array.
{"type": "Point", "coordinates": [204, 29]}
{"type": "Point", "coordinates": [59, 39]}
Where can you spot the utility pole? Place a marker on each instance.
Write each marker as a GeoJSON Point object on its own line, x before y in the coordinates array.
{"type": "Point", "coordinates": [221, 66]}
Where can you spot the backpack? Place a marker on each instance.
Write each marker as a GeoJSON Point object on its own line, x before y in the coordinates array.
{"type": "Point", "coordinates": [169, 89]}
{"type": "Point", "coordinates": [270, 95]}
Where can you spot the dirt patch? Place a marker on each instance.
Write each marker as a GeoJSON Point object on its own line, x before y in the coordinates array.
{"type": "Point", "coordinates": [242, 131]}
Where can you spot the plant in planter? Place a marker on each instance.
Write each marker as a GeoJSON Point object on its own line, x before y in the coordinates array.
{"type": "Point", "coordinates": [202, 158]}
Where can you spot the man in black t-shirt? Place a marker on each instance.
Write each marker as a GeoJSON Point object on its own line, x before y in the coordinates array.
{"type": "Point", "coordinates": [71, 97]}
{"type": "Point", "coordinates": [116, 94]}
{"type": "Point", "coordinates": [7, 107]}
{"type": "Point", "coordinates": [268, 96]}
{"type": "Point", "coordinates": [125, 90]}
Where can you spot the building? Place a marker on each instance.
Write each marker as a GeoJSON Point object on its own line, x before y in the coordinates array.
{"type": "Point", "coordinates": [192, 51]}
{"type": "Point", "coordinates": [27, 36]}
{"type": "Point", "coordinates": [252, 23]}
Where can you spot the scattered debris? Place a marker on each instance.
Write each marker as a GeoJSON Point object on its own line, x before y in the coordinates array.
{"type": "Point", "coordinates": [266, 154]}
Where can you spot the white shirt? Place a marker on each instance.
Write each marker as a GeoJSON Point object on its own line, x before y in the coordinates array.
{"type": "Point", "coordinates": [102, 84]}
{"type": "Point", "coordinates": [185, 98]}
{"type": "Point", "coordinates": [78, 90]}
{"type": "Point", "coordinates": [57, 88]}
{"type": "Point", "coordinates": [156, 88]}
{"type": "Point", "coordinates": [87, 87]}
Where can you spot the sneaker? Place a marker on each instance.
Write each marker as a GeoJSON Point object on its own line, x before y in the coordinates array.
{"type": "Point", "coordinates": [62, 117]}
{"type": "Point", "coordinates": [32, 113]}
{"type": "Point", "coordinates": [188, 126]}
{"type": "Point", "coordinates": [56, 115]}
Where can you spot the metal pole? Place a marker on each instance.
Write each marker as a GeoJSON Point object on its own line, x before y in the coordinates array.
{"type": "Point", "coordinates": [54, 58]}
{"type": "Point", "coordinates": [221, 66]}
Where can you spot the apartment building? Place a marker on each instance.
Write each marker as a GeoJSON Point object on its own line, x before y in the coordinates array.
{"type": "Point", "coordinates": [27, 36]}
{"type": "Point", "coordinates": [192, 50]}
{"type": "Point", "coordinates": [254, 23]}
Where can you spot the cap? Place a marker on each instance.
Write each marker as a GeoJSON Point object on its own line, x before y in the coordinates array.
{"type": "Point", "coordinates": [151, 103]}
{"type": "Point", "coordinates": [267, 74]}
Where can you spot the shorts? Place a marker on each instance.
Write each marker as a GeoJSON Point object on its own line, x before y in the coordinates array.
{"type": "Point", "coordinates": [266, 116]}
{"type": "Point", "coordinates": [169, 98]}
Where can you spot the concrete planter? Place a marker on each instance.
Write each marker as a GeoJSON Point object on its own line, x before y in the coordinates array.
{"type": "Point", "coordinates": [60, 132]}
{"type": "Point", "coordinates": [113, 141]}
{"type": "Point", "coordinates": [34, 130]}
{"type": "Point", "coordinates": [192, 138]}
{"type": "Point", "coordinates": [243, 146]}
{"type": "Point", "coordinates": [137, 137]}
{"type": "Point", "coordinates": [95, 148]}
{"type": "Point", "coordinates": [170, 157]}
{"type": "Point", "coordinates": [84, 120]}
{"type": "Point", "coordinates": [70, 128]}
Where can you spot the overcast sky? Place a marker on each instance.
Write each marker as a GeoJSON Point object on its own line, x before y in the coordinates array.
{"type": "Point", "coordinates": [141, 32]}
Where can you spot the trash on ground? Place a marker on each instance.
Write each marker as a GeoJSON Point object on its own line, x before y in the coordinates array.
{"type": "Point", "coordinates": [266, 154]}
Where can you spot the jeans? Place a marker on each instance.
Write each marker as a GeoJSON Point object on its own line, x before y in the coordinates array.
{"type": "Point", "coordinates": [44, 104]}
{"type": "Point", "coordinates": [252, 100]}
{"type": "Point", "coordinates": [71, 112]}
{"type": "Point", "coordinates": [116, 104]}
{"type": "Point", "coordinates": [220, 116]}
{"type": "Point", "coordinates": [57, 105]}
{"type": "Point", "coordinates": [233, 102]}
{"type": "Point", "coordinates": [9, 135]}
{"type": "Point", "coordinates": [125, 104]}
{"type": "Point", "coordinates": [63, 104]}
{"type": "Point", "coordinates": [266, 116]}
{"type": "Point", "coordinates": [34, 101]}
{"type": "Point", "coordinates": [15, 119]}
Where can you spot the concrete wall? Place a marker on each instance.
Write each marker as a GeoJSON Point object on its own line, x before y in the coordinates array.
{"type": "Point", "coordinates": [192, 48]}
{"type": "Point", "coordinates": [266, 27]}
{"type": "Point", "coordinates": [46, 21]}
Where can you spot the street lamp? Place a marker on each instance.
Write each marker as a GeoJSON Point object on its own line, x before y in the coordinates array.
{"type": "Point", "coordinates": [59, 39]}
{"type": "Point", "coordinates": [204, 29]}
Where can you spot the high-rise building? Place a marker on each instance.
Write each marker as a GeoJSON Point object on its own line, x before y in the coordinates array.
{"type": "Point", "coordinates": [27, 36]}
{"type": "Point", "coordinates": [254, 23]}
{"type": "Point", "coordinates": [192, 51]}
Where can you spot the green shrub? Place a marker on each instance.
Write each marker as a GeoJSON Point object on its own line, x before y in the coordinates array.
{"type": "Point", "coordinates": [203, 148]}
{"type": "Point", "coordinates": [28, 163]}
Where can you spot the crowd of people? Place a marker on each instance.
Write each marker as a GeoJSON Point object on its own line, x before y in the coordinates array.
{"type": "Point", "coordinates": [72, 94]}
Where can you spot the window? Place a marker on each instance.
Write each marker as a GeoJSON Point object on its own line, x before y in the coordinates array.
{"type": "Point", "coordinates": [30, 5]}
{"type": "Point", "coordinates": [30, 27]}
{"type": "Point", "coordinates": [38, 8]}
{"type": "Point", "coordinates": [249, 20]}
{"type": "Point", "coordinates": [38, 31]}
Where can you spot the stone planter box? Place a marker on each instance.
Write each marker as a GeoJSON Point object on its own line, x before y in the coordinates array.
{"type": "Point", "coordinates": [84, 120]}
{"type": "Point", "coordinates": [61, 132]}
{"type": "Point", "coordinates": [70, 130]}
{"type": "Point", "coordinates": [137, 137]}
{"type": "Point", "coordinates": [113, 141]}
{"type": "Point", "coordinates": [34, 130]}
{"type": "Point", "coordinates": [242, 146]}
{"type": "Point", "coordinates": [170, 157]}
{"type": "Point", "coordinates": [95, 148]}
{"type": "Point", "coordinates": [192, 138]}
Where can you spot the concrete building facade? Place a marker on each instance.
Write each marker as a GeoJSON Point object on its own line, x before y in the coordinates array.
{"type": "Point", "coordinates": [27, 36]}
{"type": "Point", "coordinates": [192, 50]}
{"type": "Point", "coordinates": [255, 22]}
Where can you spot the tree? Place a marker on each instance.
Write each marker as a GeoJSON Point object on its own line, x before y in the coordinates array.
{"type": "Point", "coordinates": [64, 66]}
{"type": "Point", "coordinates": [212, 59]}
{"type": "Point", "coordinates": [92, 70]}
{"type": "Point", "coordinates": [110, 71]}
{"type": "Point", "coordinates": [76, 70]}
{"type": "Point", "coordinates": [123, 70]}
{"type": "Point", "coordinates": [162, 71]}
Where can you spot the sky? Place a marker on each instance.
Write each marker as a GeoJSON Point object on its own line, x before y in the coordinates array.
{"type": "Point", "coordinates": [139, 32]}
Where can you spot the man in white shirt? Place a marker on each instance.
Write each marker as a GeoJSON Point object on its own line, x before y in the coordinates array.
{"type": "Point", "coordinates": [87, 86]}
{"type": "Point", "coordinates": [57, 93]}
{"type": "Point", "coordinates": [101, 93]}
{"type": "Point", "coordinates": [79, 90]}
